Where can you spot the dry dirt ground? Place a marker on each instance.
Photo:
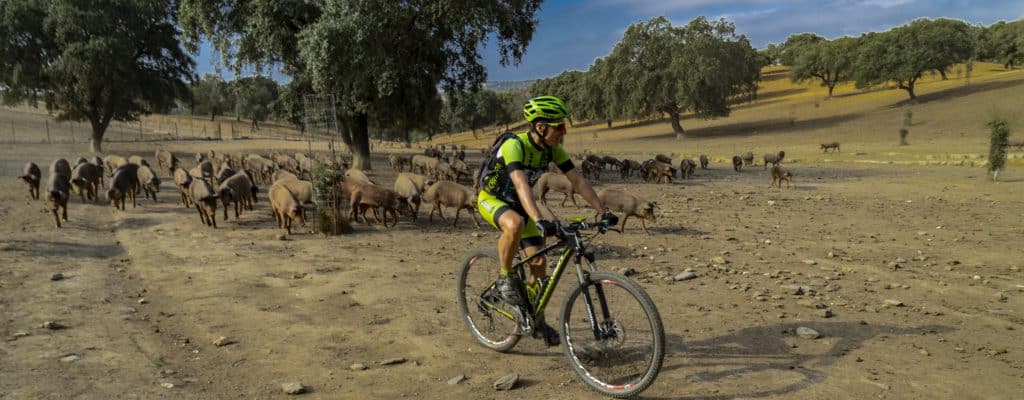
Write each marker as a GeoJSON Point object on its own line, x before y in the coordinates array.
{"type": "Point", "coordinates": [147, 291]}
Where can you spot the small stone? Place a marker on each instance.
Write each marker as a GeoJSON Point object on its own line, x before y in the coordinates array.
{"type": "Point", "coordinates": [826, 313]}
{"type": "Point", "coordinates": [52, 325]}
{"type": "Point", "coordinates": [976, 277]}
{"type": "Point", "coordinates": [143, 301]}
{"type": "Point", "coordinates": [357, 367]}
{"type": "Point", "coordinates": [1000, 296]}
{"type": "Point", "coordinates": [794, 289]}
{"type": "Point", "coordinates": [293, 388]}
{"type": "Point", "coordinates": [457, 380]}
{"type": "Point", "coordinates": [19, 335]}
{"type": "Point", "coordinates": [684, 276]}
{"type": "Point", "coordinates": [167, 385]}
{"type": "Point", "coordinates": [924, 352]}
{"type": "Point", "coordinates": [223, 341]}
{"type": "Point", "coordinates": [893, 303]}
{"type": "Point", "coordinates": [771, 202]}
{"type": "Point", "coordinates": [56, 277]}
{"type": "Point", "coordinates": [810, 262]}
{"type": "Point", "coordinates": [128, 310]}
{"type": "Point", "coordinates": [767, 241]}
{"type": "Point", "coordinates": [70, 358]}
{"type": "Point", "coordinates": [807, 333]}
{"type": "Point", "coordinates": [393, 361]}
{"type": "Point", "coordinates": [282, 237]}
{"type": "Point", "coordinates": [831, 254]}
{"type": "Point", "coordinates": [506, 382]}
{"type": "Point", "coordinates": [1015, 268]}
{"type": "Point", "coordinates": [628, 271]}
{"type": "Point", "coordinates": [870, 309]}
{"type": "Point", "coordinates": [719, 260]}
{"type": "Point", "coordinates": [476, 234]}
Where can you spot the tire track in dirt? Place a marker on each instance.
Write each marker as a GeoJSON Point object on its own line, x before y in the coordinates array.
{"type": "Point", "coordinates": [118, 356]}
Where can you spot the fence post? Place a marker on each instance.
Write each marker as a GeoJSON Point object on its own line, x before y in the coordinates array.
{"type": "Point", "coordinates": [47, 131]}
{"type": "Point", "coordinates": [176, 134]}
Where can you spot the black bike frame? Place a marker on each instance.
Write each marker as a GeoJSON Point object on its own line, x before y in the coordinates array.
{"type": "Point", "coordinates": [573, 248]}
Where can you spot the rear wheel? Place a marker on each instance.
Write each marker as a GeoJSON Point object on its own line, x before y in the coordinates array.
{"type": "Point", "coordinates": [489, 318]}
{"type": "Point", "coordinates": [624, 355]}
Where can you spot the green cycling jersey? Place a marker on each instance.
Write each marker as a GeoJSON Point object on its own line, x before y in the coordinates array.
{"type": "Point", "coordinates": [524, 154]}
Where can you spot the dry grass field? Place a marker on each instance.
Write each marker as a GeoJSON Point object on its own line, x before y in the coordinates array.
{"type": "Point", "coordinates": [146, 291]}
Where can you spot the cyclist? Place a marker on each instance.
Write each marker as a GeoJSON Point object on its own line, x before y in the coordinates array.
{"type": "Point", "coordinates": [507, 185]}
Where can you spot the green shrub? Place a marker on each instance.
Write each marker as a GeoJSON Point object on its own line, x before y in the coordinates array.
{"type": "Point", "coordinates": [997, 145]}
{"type": "Point", "coordinates": [329, 199]}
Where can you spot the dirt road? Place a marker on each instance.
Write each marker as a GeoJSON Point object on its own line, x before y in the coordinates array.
{"type": "Point", "coordinates": [146, 292]}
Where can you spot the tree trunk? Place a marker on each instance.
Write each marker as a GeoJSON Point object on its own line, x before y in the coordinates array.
{"type": "Point", "coordinates": [830, 89]}
{"type": "Point", "coordinates": [909, 87]}
{"type": "Point", "coordinates": [609, 124]}
{"type": "Point", "coordinates": [942, 71]}
{"type": "Point", "coordinates": [360, 146]}
{"type": "Point", "coordinates": [99, 127]}
{"type": "Point", "coordinates": [676, 126]}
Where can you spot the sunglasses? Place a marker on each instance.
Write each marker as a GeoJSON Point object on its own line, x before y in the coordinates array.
{"type": "Point", "coordinates": [558, 126]}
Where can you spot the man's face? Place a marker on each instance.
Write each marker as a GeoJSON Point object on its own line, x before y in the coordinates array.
{"type": "Point", "coordinates": [552, 132]}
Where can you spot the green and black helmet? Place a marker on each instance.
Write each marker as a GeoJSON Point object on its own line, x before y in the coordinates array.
{"type": "Point", "coordinates": [549, 108]}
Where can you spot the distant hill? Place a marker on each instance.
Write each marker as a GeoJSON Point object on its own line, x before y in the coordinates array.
{"type": "Point", "coordinates": [508, 86]}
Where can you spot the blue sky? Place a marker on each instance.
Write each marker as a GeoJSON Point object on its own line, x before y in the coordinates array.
{"type": "Point", "coordinates": [572, 33]}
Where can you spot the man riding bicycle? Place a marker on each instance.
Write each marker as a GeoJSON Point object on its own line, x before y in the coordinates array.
{"type": "Point", "coordinates": [507, 185]}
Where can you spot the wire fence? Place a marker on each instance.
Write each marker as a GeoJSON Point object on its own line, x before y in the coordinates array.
{"type": "Point", "coordinates": [22, 129]}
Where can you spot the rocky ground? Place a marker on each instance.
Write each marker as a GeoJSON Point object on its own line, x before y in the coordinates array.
{"type": "Point", "coordinates": [860, 281]}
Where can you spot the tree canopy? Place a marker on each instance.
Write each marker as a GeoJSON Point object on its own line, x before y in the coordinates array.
{"type": "Point", "coordinates": [98, 61]}
{"type": "Point", "coordinates": [1002, 42]}
{"type": "Point", "coordinates": [904, 54]}
{"type": "Point", "coordinates": [831, 62]}
{"type": "Point", "coordinates": [660, 69]}
{"type": "Point", "coordinates": [211, 95]}
{"type": "Point", "coordinates": [378, 57]}
{"type": "Point", "coordinates": [254, 96]}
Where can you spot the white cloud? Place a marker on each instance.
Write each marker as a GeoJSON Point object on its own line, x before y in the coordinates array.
{"type": "Point", "coordinates": [886, 3]}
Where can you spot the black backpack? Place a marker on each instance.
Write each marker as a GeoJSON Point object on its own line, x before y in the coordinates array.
{"type": "Point", "coordinates": [492, 155]}
{"type": "Point", "coordinates": [489, 158]}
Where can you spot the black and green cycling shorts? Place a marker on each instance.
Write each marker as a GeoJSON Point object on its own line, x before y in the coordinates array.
{"type": "Point", "coordinates": [492, 207]}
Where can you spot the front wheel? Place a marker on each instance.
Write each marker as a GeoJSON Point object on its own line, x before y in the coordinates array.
{"type": "Point", "coordinates": [489, 318]}
{"type": "Point", "coordinates": [617, 343]}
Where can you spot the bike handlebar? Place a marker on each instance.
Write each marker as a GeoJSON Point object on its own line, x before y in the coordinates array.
{"type": "Point", "coordinates": [564, 231]}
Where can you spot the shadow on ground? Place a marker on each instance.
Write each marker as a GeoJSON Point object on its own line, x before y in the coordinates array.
{"type": "Point", "coordinates": [764, 348]}
{"type": "Point", "coordinates": [45, 248]}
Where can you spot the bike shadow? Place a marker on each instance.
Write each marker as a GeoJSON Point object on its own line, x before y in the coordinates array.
{"type": "Point", "coordinates": [766, 349]}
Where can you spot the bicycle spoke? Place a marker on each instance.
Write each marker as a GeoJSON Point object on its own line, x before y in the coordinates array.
{"type": "Point", "coordinates": [625, 352]}
{"type": "Point", "coordinates": [489, 319]}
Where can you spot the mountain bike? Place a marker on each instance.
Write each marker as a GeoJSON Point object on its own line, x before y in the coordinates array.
{"type": "Point", "coordinates": [610, 329]}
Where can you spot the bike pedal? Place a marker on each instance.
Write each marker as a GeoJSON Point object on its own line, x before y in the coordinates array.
{"type": "Point", "coordinates": [526, 325]}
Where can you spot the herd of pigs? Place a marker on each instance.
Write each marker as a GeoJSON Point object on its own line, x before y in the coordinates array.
{"type": "Point", "coordinates": [433, 177]}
